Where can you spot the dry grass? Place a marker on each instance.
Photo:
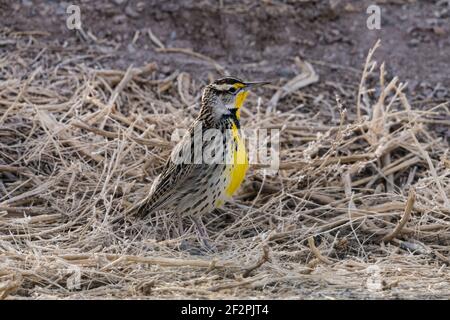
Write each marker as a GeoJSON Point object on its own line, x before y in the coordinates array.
{"type": "Point", "coordinates": [360, 207]}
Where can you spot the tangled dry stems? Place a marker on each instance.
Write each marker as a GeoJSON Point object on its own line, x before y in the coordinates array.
{"type": "Point", "coordinates": [80, 143]}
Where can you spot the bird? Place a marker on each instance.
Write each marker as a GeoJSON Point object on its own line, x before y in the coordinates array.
{"type": "Point", "coordinates": [192, 187]}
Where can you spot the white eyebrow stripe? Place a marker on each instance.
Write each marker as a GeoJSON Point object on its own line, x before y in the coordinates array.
{"type": "Point", "coordinates": [223, 87]}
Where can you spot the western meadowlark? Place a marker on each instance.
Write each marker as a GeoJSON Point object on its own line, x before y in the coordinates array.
{"type": "Point", "coordinates": [192, 187]}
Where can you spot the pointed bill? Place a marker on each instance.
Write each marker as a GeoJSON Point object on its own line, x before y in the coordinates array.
{"type": "Point", "coordinates": [256, 84]}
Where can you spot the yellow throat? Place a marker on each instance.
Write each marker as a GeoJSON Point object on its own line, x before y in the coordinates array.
{"type": "Point", "coordinates": [239, 165]}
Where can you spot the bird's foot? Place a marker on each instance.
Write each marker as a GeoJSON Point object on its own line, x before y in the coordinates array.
{"type": "Point", "coordinates": [190, 248]}
{"type": "Point", "coordinates": [208, 246]}
{"type": "Point", "coordinates": [205, 248]}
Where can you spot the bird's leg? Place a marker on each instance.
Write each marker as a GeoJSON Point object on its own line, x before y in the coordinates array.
{"type": "Point", "coordinates": [203, 234]}
{"type": "Point", "coordinates": [180, 224]}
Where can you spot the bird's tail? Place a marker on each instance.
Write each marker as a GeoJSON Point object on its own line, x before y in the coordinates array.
{"type": "Point", "coordinates": [141, 207]}
{"type": "Point", "coordinates": [134, 210]}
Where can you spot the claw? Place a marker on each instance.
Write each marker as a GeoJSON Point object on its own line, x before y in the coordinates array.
{"type": "Point", "coordinates": [203, 236]}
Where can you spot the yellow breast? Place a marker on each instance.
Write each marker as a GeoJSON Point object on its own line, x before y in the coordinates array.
{"type": "Point", "coordinates": [240, 163]}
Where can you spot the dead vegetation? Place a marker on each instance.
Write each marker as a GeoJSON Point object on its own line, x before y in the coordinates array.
{"type": "Point", "coordinates": [359, 208]}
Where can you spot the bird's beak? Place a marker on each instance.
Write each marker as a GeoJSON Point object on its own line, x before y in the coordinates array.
{"type": "Point", "coordinates": [249, 85]}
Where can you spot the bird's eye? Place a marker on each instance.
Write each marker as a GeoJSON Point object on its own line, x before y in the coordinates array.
{"type": "Point", "coordinates": [232, 90]}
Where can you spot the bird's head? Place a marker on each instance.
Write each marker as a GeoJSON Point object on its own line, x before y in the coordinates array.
{"type": "Point", "coordinates": [225, 97]}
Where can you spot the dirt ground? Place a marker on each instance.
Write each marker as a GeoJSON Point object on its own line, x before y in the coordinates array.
{"type": "Point", "coordinates": [255, 40]}
{"type": "Point", "coordinates": [258, 40]}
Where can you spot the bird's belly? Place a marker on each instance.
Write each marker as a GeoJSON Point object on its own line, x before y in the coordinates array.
{"type": "Point", "coordinates": [200, 194]}
{"type": "Point", "coordinates": [216, 183]}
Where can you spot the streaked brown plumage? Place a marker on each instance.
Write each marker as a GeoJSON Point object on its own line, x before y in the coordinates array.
{"type": "Point", "coordinates": [193, 189]}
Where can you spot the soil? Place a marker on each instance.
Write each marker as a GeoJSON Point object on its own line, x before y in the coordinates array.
{"type": "Point", "coordinates": [258, 38]}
